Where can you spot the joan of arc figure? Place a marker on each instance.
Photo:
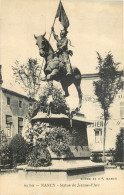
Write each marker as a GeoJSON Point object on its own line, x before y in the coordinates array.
{"type": "Point", "coordinates": [62, 49]}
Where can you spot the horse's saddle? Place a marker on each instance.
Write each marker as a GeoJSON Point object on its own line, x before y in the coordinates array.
{"type": "Point", "coordinates": [56, 63]}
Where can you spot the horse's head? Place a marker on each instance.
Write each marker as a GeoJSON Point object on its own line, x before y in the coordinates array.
{"type": "Point", "coordinates": [43, 45]}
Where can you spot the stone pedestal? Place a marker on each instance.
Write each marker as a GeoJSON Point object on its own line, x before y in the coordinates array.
{"type": "Point", "coordinates": [78, 164]}
{"type": "Point", "coordinates": [78, 129]}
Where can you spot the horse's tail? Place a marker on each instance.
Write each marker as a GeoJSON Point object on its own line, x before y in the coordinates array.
{"type": "Point", "coordinates": [77, 74]}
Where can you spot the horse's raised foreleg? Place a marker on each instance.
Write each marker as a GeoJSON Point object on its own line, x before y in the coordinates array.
{"type": "Point", "coordinates": [53, 75]}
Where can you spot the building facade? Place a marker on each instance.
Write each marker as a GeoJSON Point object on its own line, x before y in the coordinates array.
{"type": "Point", "coordinates": [13, 111]}
{"type": "Point", "coordinates": [93, 112]}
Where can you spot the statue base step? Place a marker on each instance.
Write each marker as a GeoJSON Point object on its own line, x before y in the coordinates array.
{"type": "Point", "coordinates": [62, 170]}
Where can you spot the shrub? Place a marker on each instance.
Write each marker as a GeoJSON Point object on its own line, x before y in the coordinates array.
{"type": "Point", "coordinates": [96, 157]}
{"type": "Point", "coordinates": [36, 135]}
{"type": "Point", "coordinates": [39, 157]}
{"type": "Point", "coordinates": [48, 137]}
{"type": "Point", "coordinates": [6, 155]}
{"type": "Point", "coordinates": [19, 149]}
{"type": "Point", "coordinates": [5, 152]}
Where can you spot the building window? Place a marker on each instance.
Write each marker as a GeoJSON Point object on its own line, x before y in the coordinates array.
{"type": "Point", "coordinates": [100, 124]}
{"type": "Point", "coordinates": [96, 124]}
{"type": "Point", "coordinates": [98, 135]}
{"type": "Point", "coordinates": [20, 104]}
{"type": "Point", "coordinates": [9, 125]}
{"type": "Point", "coordinates": [8, 100]}
{"type": "Point", "coordinates": [20, 125]}
{"type": "Point", "coordinates": [122, 109]}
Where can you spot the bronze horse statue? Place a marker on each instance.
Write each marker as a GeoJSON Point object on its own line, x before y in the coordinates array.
{"type": "Point", "coordinates": [55, 69]}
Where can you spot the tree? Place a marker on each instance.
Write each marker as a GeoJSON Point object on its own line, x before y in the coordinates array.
{"type": "Point", "coordinates": [28, 76]}
{"type": "Point", "coordinates": [119, 147]}
{"type": "Point", "coordinates": [107, 87]}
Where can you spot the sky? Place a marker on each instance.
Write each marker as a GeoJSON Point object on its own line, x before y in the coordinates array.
{"type": "Point", "coordinates": [94, 26]}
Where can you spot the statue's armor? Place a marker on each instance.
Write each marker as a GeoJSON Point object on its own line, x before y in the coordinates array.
{"type": "Point", "coordinates": [62, 46]}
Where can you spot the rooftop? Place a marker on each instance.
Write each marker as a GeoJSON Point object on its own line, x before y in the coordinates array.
{"type": "Point", "coordinates": [15, 93]}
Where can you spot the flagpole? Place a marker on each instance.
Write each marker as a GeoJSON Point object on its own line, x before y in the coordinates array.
{"type": "Point", "coordinates": [53, 25]}
{"type": "Point", "coordinates": [49, 37]}
{"type": "Point", "coordinates": [51, 29]}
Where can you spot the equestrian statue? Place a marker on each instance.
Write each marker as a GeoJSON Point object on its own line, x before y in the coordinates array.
{"type": "Point", "coordinates": [57, 64]}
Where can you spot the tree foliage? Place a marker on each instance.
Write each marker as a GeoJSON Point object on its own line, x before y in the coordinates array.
{"type": "Point", "coordinates": [3, 139]}
{"type": "Point", "coordinates": [6, 155]}
{"type": "Point", "coordinates": [5, 152]}
{"type": "Point", "coordinates": [51, 98]}
{"type": "Point", "coordinates": [59, 140]}
{"type": "Point", "coordinates": [19, 148]}
{"type": "Point", "coordinates": [28, 76]}
{"type": "Point", "coordinates": [44, 138]}
{"type": "Point", "coordinates": [109, 84]}
{"type": "Point", "coordinates": [119, 148]}
{"type": "Point", "coordinates": [39, 157]}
